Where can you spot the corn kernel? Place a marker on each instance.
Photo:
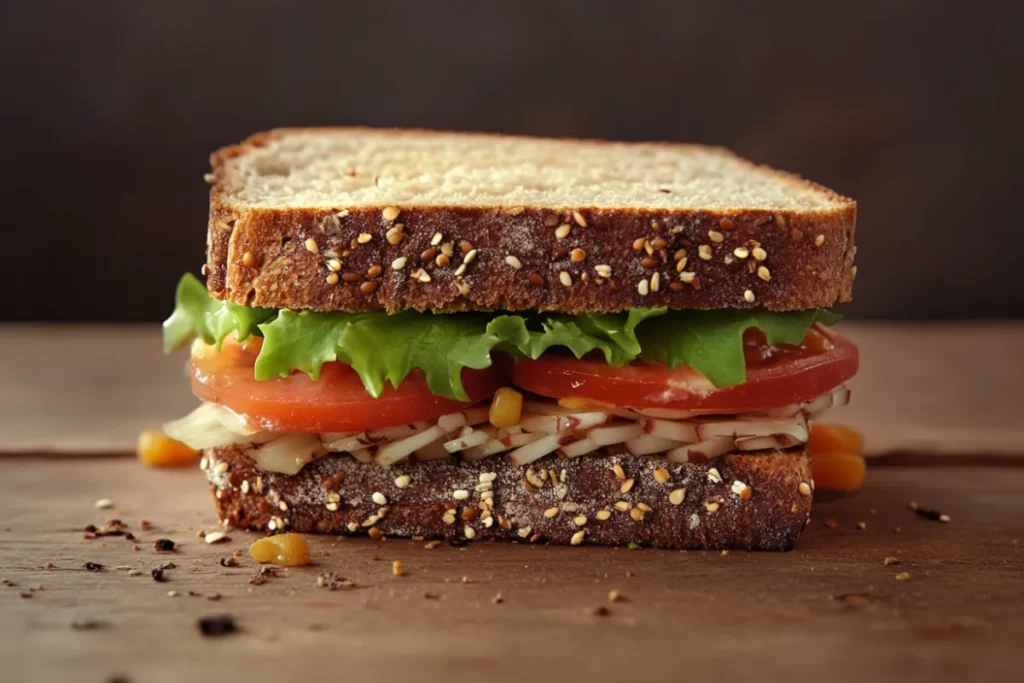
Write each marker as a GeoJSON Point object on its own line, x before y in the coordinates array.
{"type": "Point", "coordinates": [156, 449]}
{"type": "Point", "coordinates": [506, 407]}
{"type": "Point", "coordinates": [285, 550]}
{"type": "Point", "coordinates": [838, 470]}
{"type": "Point", "coordinates": [833, 437]}
{"type": "Point", "coordinates": [574, 403]}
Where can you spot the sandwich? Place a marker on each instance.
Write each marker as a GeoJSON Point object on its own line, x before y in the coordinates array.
{"type": "Point", "coordinates": [468, 337]}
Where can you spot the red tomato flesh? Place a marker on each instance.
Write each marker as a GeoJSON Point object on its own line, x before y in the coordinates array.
{"type": "Point", "coordinates": [336, 403]}
{"type": "Point", "coordinates": [776, 376]}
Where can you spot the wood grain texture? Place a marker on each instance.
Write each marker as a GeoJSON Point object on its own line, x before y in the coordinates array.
{"type": "Point", "coordinates": [934, 388]}
{"type": "Point", "coordinates": [691, 615]}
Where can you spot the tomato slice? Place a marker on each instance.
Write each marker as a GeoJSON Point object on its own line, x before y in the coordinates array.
{"type": "Point", "coordinates": [776, 376]}
{"type": "Point", "coordinates": [336, 403]}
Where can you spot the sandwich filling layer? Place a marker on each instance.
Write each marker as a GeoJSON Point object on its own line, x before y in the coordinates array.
{"type": "Point", "coordinates": [686, 386]}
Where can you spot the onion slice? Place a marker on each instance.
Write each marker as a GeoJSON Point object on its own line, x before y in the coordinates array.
{"type": "Point", "coordinates": [700, 452]}
{"type": "Point", "coordinates": [400, 450]}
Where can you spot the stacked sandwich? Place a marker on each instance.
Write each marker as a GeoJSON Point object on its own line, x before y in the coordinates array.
{"type": "Point", "coordinates": [407, 333]}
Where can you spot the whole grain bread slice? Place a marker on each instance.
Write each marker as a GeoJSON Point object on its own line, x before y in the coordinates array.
{"type": "Point", "coordinates": [354, 219]}
{"type": "Point", "coordinates": [751, 501]}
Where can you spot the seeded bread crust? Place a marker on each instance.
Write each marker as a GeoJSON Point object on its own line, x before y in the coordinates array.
{"type": "Point", "coordinates": [259, 257]}
{"type": "Point", "coordinates": [712, 514]}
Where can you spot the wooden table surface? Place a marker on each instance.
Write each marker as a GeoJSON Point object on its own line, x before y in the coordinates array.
{"type": "Point", "coordinates": [829, 609]}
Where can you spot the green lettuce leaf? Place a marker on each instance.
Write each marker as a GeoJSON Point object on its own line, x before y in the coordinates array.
{"type": "Point", "coordinates": [384, 349]}
{"type": "Point", "coordinates": [711, 342]}
{"type": "Point", "coordinates": [197, 314]}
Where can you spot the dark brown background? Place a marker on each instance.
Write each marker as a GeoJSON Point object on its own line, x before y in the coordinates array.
{"type": "Point", "coordinates": [111, 109]}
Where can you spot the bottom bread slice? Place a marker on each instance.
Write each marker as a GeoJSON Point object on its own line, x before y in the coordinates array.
{"type": "Point", "coordinates": [755, 501]}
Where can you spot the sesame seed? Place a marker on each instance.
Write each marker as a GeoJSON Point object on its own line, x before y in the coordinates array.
{"type": "Point", "coordinates": [334, 265]}
{"type": "Point", "coordinates": [626, 485]}
{"type": "Point", "coordinates": [248, 260]}
{"type": "Point", "coordinates": [245, 486]}
{"type": "Point", "coordinates": [368, 287]}
{"type": "Point", "coordinates": [639, 243]}
{"type": "Point", "coordinates": [374, 271]}
{"type": "Point", "coordinates": [603, 270]}
{"type": "Point", "coordinates": [332, 279]}
{"type": "Point", "coordinates": [681, 264]}
{"type": "Point", "coordinates": [577, 255]}
{"type": "Point", "coordinates": [714, 476]}
{"type": "Point", "coordinates": [565, 278]}
{"type": "Point", "coordinates": [221, 467]}
{"type": "Point", "coordinates": [402, 481]}
{"type": "Point", "coordinates": [649, 248]}
{"type": "Point", "coordinates": [311, 246]}
{"type": "Point", "coordinates": [715, 236]}
{"type": "Point", "coordinates": [215, 537]}
{"type": "Point", "coordinates": [579, 520]}
{"type": "Point", "coordinates": [649, 262]}
{"type": "Point", "coordinates": [463, 287]}
{"type": "Point", "coordinates": [804, 488]}
{"type": "Point", "coordinates": [469, 531]}
{"type": "Point", "coordinates": [622, 506]}
{"type": "Point", "coordinates": [748, 296]}
{"type": "Point", "coordinates": [687, 276]}
{"type": "Point", "coordinates": [655, 282]}
{"type": "Point", "coordinates": [524, 532]}
{"type": "Point", "coordinates": [399, 263]}
{"type": "Point", "coordinates": [449, 517]}
{"type": "Point", "coordinates": [390, 213]}
{"type": "Point", "coordinates": [577, 538]}
{"type": "Point", "coordinates": [395, 236]}
{"type": "Point", "coordinates": [469, 257]}
{"type": "Point", "coordinates": [738, 487]}
{"type": "Point", "coordinates": [379, 498]}
{"type": "Point", "coordinates": [677, 496]}
{"type": "Point", "coordinates": [603, 515]}
{"type": "Point", "coordinates": [763, 273]}
{"type": "Point", "coordinates": [759, 253]}
{"type": "Point", "coordinates": [333, 507]}
{"type": "Point", "coordinates": [563, 230]}
{"type": "Point", "coordinates": [704, 251]}
{"type": "Point", "coordinates": [741, 252]}
{"type": "Point", "coordinates": [436, 239]}
{"type": "Point", "coordinates": [637, 514]}
{"type": "Point", "coordinates": [726, 224]}
{"type": "Point", "coordinates": [578, 217]}
{"type": "Point", "coordinates": [661, 475]}
{"type": "Point", "coordinates": [853, 271]}
{"type": "Point", "coordinates": [642, 287]}
{"type": "Point", "coordinates": [513, 261]}
{"type": "Point", "coordinates": [461, 269]}
{"type": "Point", "coordinates": [551, 512]}
{"type": "Point", "coordinates": [460, 494]}
{"type": "Point", "coordinates": [712, 507]}
{"type": "Point", "coordinates": [819, 240]}
{"type": "Point", "coordinates": [659, 243]}
{"type": "Point", "coordinates": [421, 275]}
{"type": "Point", "coordinates": [620, 474]}
{"type": "Point", "coordinates": [645, 507]}
{"type": "Point", "coordinates": [364, 237]}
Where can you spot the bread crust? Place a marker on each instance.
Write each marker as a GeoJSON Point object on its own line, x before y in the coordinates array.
{"type": "Point", "coordinates": [259, 257]}
{"type": "Point", "coordinates": [714, 513]}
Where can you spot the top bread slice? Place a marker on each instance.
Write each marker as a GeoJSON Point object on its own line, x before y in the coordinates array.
{"type": "Point", "coordinates": [357, 219]}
